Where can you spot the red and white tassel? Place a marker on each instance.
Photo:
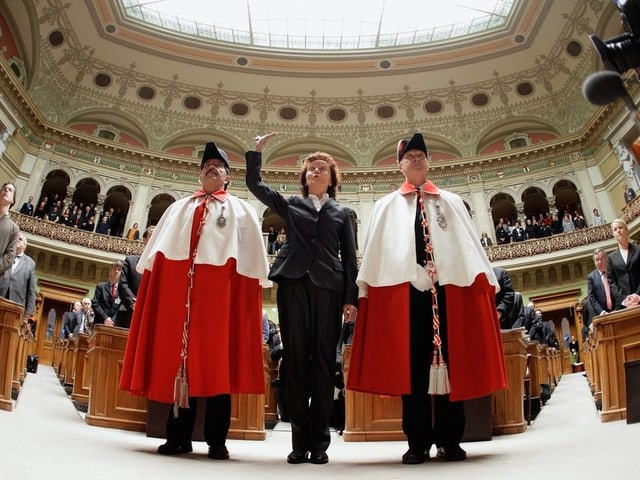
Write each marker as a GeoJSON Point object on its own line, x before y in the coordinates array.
{"type": "Point", "coordinates": [180, 391]}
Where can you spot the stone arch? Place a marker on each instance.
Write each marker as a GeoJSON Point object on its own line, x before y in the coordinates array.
{"type": "Point", "coordinates": [114, 118]}
{"type": "Point", "coordinates": [534, 201]}
{"type": "Point", "coordinates": [158, 205]}
{"type": "Point", "coordinates": [503, 206]}
{"type": "Point", "coordinates": [117, 202]}
{"type": "Point", "coordinates": [567, 198]}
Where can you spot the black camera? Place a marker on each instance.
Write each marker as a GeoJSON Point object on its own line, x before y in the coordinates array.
{"type": "Point", "coordinates": [622, 52]}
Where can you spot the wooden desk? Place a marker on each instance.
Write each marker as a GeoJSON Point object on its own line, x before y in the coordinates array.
{"type": "Point", "coordinates": [617, 341]}
{"type": "Point", "coordinates": [508, 416]}
{"type": "Point", "coordinates": [108, 405]}
{"type": "Point", "coordinates": [370, 417]}
{"type": "Point", "coordinates": [10, 317]}
{"type": "Point", "coordinates": [81, 373]}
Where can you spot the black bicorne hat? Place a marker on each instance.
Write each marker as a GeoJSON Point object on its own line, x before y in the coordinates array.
{"type": "Point", "coordinates": [414, 143]}
{"type": "Point", "coordinates": [211, 150]}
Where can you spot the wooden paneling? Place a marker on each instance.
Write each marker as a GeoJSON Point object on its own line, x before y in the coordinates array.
{"type": "Point", "coordinates": [508, 416]}
{"type": "Point", "coordinates": [10, 317]}
{"type": "Point", "coordinates": [617, 341]}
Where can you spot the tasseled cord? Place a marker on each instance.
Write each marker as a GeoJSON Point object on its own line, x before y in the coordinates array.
{"type": "Point", "coordinates": [181, 384]}
{"type": "Point", "coordinates": [438, 373]}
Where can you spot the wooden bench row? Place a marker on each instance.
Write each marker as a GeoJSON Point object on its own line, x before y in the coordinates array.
{"type": "Point", "coordinates": [375, 417]}
{"type": "Point", "coordinates": [91, 366]}
{"type": "Point", "coordinates": [613, 341]}
{"type": "Point", "coordinates": [16, 342]}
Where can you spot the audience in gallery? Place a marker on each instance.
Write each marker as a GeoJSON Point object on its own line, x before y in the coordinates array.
{"type": "Point", "coordinates": [512, 230]}
{"type": "Point", "coordinates": [507, 230]}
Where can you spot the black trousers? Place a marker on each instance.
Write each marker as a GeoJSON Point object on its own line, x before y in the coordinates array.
{"type": "Point", "coordinates": [217, 421]}
{"type": "Point", "coordinates": [428, 419]}
{"type": "Point", "coordinates": [310, 324]}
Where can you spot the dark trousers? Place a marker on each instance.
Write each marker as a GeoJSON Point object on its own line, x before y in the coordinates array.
{"type": "Point", "coordinates": [310, 324]}
{"type": "Point", "coordinates": [428, 419]}
{"type": "Point", "coordinates": [123, 319]}
{"type": "Point", "coordinates": [217, 421]}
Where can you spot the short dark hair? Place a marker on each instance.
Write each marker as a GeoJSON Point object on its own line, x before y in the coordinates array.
{"type": "Point", "coordinates": [15, 190]}
{"type": "Point", "coordinates": [333, 168]}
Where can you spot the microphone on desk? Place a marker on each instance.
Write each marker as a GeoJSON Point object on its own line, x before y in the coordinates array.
{"type": "Point", "coordinates": [603, 88]}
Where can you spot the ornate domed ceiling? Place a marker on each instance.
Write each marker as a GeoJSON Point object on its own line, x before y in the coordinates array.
{"type": "Point", "coordinates": [88, 65]}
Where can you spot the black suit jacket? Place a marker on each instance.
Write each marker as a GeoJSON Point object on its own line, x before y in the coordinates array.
{"type": "Point", "coordinates": [517, 311]}
{"type": "Point", "coordinates": [72, 323]}
{"type": "Point", "coordinates": [595, 293]}
{"type": "Point", "coordinates": [624, 278]}
{"type": "Point", "coordinates": [505, 297]}
{"type": "Point", "coordinates": [320, 243]}
{"type": "Point", "coordinates": [128, 289]}
{"type": "Point", "coordinates": [103, 304]}
{"type": "Point", "coordinates": [20, 285]}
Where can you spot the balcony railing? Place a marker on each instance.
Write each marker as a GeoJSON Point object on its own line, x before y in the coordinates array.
{"type": "Point", "coordinates": [538, 246]}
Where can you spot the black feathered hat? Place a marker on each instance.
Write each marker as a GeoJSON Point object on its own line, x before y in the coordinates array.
{"type": "Point", "coordinates": [211, 150]}
{"type": "Point", "coordinates": [414, 143]}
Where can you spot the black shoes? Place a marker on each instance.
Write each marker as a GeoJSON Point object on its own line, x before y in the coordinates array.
{"type": "Point", "coordinates": [319, 458]}
{"type": "Point", "coordinates": [215, 452]}
{"type": "Point", "coordinates": [297, 457]}
{"type": "Point", "coordinates": [174, 448]}
{"type": "Point", "coordinates": [218, 452]}
{"type": "Point", "coordinates": [413, 456]}
{"type": "Point", "coordinates": [454, 454]}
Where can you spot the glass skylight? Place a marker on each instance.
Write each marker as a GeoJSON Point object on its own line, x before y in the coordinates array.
{"type": "Point", "coordinates": [324, 25]}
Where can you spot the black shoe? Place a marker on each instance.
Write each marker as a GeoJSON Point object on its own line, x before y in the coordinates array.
{"type": "Point", "coordinates": [319, 458]}
{"type": "Point", "coordinates": [297, 457]}
{"type": "Point", "coordinates": [454, 454]}
{"type": "Point", "coordinates": [174, 448]}
{"type": "Point", "coordinates": [440, 452]}
{"type": "Point", "coordinates": [413, 457]}
{"type": "Point", "coordinates": [218, 452]}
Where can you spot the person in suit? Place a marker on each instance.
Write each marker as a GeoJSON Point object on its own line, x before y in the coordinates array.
{"type": "Point", "coordinates": [80, 320]}
{"type": "Point", "coordinates": [195, 330]}
{"type": "Point", "coordinates": [517, 311]}
{"type": "Point", "coordinates": [529, 315]}
{"type": "Point", "coordinates": [106, 301]}
{"type": "Point", "coordinates": [485, 240]}
{"type": "Point", "coordinates": [423, 270]}
{"type": "Point", "coordinates": [599, 300]}
{"type": "Point", "coordinates": [27, 207]}
{"type": "Point", "coordinates": [629, 193]}
{"type": "Point", "coordinates": [8, 228]}
{"type": "Point", "coordinates": [517, 234]}
{"type": "Point", "coordinates": [129, 283]}
{"type": "Point", "coordinates": [504, 297]}
{"type": "Point", "coordinates": [18, 283]}
{"type": "Point", "coordinates": [315, 270]}
{"type": "Point", "coordinates": [623, 268]}
{"type": "Point", "coordinates": [69, 321]}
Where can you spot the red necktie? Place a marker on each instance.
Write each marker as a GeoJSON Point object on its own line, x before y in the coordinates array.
{"type": "Point", "coordinates": [196, 226]}
{"type": "Point", "coordinates": [114, 290]}
{"type": "Point", "coordinates": [607, 291]}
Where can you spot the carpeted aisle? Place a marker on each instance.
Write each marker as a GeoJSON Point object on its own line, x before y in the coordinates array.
{"type": "Point", "coordinates": [45, 437]}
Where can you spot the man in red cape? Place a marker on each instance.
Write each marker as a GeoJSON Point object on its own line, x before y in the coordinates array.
{"type": "Point", "coordinates": [427, 328]}
{"type": "Point", "coordinates": [196, 329]}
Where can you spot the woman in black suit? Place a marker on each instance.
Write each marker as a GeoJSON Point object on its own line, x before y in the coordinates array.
{"type": "Point", "coordinates": [315, 270]}
{"type": "Point", "coordinates": [623, 267]}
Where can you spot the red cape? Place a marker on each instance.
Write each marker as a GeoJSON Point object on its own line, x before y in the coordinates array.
{"type": "Point", "coordinates": [225, 332]}
{"type": "Point", "coordinates": [380, 353]}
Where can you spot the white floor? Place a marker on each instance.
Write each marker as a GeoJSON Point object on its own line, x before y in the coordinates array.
{"type": "Point", "coordinates": [44, 437]}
